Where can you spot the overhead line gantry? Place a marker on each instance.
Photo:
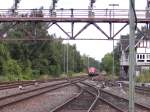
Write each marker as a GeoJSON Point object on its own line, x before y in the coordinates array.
{"type": "Point", "coordinates": [88, 16]}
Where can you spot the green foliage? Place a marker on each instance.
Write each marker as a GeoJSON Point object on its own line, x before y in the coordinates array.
{"type": "Point", "coordinates": [24, 60]}
{"type": "Point", "coordinates": [106, 63]}
{"type": "Point", "coordinates": [26, 70]}
{"type": "Point", "coordinates": [144, 77]}
{"type": "Point", "coordinates": [12, 70]}
{"type": "Point", "coordinates": [70, 74]}
{"type": "Point", "coordinates": [54, 70]}
{"type": "Point", "coordinates": [3, 51]}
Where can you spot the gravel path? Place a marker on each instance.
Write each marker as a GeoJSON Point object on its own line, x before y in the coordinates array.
{"type": "Point", "coordinates": [44, 102]}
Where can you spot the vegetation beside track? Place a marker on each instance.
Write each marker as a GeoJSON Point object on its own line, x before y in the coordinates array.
{"type": "Point", "coordinates": [144, 77]}
{"type": "Point", "coordinates": [26, 60]}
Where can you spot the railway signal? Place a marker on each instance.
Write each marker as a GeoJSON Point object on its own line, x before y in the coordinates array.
{"type": "Point", "coordinates": [16, 2]}
{"type": "Point", "coordinates": [92, 2]}
{"type": "Point", "coordinates": [15, 6]}
{"type": "Point", "coordinates": [91, 12]}
{"type": "Point", "coordinates": [53, 7]}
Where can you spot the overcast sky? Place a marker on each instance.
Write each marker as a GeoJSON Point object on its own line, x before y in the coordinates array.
{"type": "Point", "coordinates": [95, 49]}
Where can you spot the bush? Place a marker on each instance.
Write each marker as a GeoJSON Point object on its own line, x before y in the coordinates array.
{"type": "Point", "coordinates": [144, 77]}
{"type": "Point", "coordinates": [70, 73]}
{"type": "Point", "coordinates": [12, 70]}
{"type": "Point", "coordinates": [55, 70]}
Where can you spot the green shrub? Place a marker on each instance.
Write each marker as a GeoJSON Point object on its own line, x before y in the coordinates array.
{"type": "Point", "coordinates": [12, 70]}
{"type": "Point", "coordinates": [144, 77]}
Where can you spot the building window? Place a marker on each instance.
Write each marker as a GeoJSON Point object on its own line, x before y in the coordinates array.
{"type": "Point", "coordinates": [147, 56]}
{"type": "Point", "coordinates": [143, 56]}
{"type": "Point", "coordinates": [140, 56]}
{"type": "Point", "coordinates": [140, 60]}
{"type": "Point", "coordinates": [137, 56]}
{"type": "Point", "coordinates": [148, 60]}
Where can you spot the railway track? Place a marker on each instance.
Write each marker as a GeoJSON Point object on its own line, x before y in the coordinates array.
{"type": "Point", "coordinates": [15, 84]}
{"type": "Point", "coordinates": [120, 103]}
{"type": "Point", "coordinates": [139, 89]}
{"type": "Point", "coordinates": [26, 94]}
{"type": "Point", "coordinates": [88, 100]}
{"type": "Point", "coordinates": [107, 106]}
{"type": "Point", "coordinates": [84, 101]}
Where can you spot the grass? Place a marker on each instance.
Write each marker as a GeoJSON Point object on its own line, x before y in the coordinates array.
{"type": "Point", "coordinates": [144, 77]}
{"type": "Point", "coordinates": [45, 76]}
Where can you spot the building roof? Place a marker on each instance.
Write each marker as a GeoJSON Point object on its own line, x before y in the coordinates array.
{"type": "Point", "coordinates": [140, 35]}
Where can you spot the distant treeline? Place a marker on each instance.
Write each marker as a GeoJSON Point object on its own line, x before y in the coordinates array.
{"type": "Point", "coordinates": [23, 60]}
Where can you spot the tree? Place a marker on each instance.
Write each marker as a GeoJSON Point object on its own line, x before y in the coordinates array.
{"type": "Point", "coordinates": [106, 63]}
{"type": "Point", "coordinates": [12, 70]}
{"type": "Point", "coordinates": [31, 59]}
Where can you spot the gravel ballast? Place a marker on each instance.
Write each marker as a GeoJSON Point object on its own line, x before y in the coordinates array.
{"type": "Point", "coordinates": [44, 102]}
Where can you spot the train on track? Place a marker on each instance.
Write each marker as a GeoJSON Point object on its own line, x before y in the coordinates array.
{"type": "Point", "coordinates": [92, 71]}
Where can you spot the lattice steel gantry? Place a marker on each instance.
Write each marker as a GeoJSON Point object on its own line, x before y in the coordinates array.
{"type": "Point", "coordinates": [89, 16]}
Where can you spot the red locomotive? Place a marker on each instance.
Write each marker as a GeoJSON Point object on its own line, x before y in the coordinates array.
{"type": "Point", "coordinates": [92, 71]}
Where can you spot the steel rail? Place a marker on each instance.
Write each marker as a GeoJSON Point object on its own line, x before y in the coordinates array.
{"type": "Point", "coordinates": [66, 102]}
{"type": "Point", "coordinates": [107, 102]}
{"type": "Point", "coordinates": [73, 98]}
{"type": "Point", "coordinates": [140, 90]}
{"type": "Point", "coordinates": [4, 101]}
{"type": "Point", "coordinates": [94, 94]}
{"type": "Point", "coordinates": [10, 85]}
{"type": "Point", "coordinates": [136, 103]}
{"type": "Point", "coordinates": [14, 84]}
{"type": "Point", "coordinates": [102, 99]}
{"type": "Point", "coordinates": [95, 101]}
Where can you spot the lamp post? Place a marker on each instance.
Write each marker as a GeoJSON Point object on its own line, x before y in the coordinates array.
{"type": "Point", "coordinates": [64, 59]}
{"type": "Point", "coordinates": [73, 60]}
{"type": "Point", "coordinates": [67, 56]}
{"type": "Point", "coordinates": [113, 68]}
{"type": "Point", "coordinates": [88, 62]}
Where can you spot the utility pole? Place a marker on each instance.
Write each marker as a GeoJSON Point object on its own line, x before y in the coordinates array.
{"type": "Point", "coordinates": [113, 66]}
{"type": "Point", "coordinates": [73, 60]}
{"type": "Point", "coordinates": [88, 62]}
{"type": "Point", "coordinates": [132, 58]}
{"type": "Point", "coordinates": [67, 56]}
{"type": "Point", "coordinates": [64, 59]}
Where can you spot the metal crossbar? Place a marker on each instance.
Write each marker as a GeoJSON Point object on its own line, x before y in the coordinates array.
{"type": "Point", "coordinates": [66, 15]}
